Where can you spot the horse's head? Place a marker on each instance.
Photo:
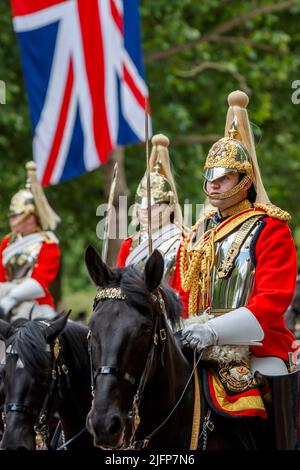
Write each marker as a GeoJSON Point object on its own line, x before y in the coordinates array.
{"type": "Point", "coordinates": [130, 311]}
{"type": "Point", "coordinates": [26, 377]}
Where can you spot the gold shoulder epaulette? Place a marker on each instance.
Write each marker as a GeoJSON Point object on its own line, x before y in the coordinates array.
{"type": "Point", "coordinates": [274, 211]}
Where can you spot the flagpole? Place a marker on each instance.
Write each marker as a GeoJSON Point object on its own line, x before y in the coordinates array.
{"type": "Point", "coordinates": [148, 177]}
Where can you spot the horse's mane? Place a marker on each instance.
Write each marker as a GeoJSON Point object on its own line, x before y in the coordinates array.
{"type": "Point", "coordinates": [29, 342]}
{"type": "Point", "coordinates": [133, 285]}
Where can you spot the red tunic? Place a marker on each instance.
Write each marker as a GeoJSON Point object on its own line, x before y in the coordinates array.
{"type": "Point", "coordinates": [273, 289]}
{"type": "Point", "coordinates": [45, 269]}
{"type": "Point", "coordinates": [124, 252]}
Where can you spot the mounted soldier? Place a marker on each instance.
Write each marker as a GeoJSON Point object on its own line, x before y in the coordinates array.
{"type": "Point", "coordinates": [166, 217]}
{"type": "Point", "coordinates": [236, 274]}
{"type": "Point", "coordinates": [29, 255]}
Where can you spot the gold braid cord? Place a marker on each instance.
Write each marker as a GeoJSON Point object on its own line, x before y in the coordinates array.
{"type": "Point", "coordinates": [195, 266]}
{"type": "Point", "coordinates": [274, 211]}
{"type": "Point", "coordinates": [236, 189]}
{"type": "Point", "coordinates": [196, 262]}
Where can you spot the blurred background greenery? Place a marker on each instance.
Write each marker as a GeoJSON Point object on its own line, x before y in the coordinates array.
{"type": "Point", "coordinates": [196, 52]}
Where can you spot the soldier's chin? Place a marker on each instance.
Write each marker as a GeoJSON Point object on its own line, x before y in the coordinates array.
{"type": "Point", "coordinates": [216, 202]}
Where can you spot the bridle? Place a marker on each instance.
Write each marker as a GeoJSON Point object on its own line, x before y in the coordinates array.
{"type": "Point", "coordinates": [42, 423]}
{"type": "Point", "coordinates": [159, 336]}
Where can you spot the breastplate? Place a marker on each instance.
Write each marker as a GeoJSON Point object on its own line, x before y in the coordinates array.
{"type": "Point", "coordinates": [168, 249]}
{"type": "Point", "coordinates": [21, 264]}
{"type": "Point", "coordinates": [233, 290]}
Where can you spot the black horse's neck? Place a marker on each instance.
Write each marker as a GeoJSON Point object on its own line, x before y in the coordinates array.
{"type": "Point", "coordinates": [75, 400]}
{"type": "Point", "coordinates": [161, 395]}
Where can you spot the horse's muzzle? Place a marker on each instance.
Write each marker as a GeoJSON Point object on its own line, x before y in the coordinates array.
{"type": "Point", "coordinates": [107, 430]}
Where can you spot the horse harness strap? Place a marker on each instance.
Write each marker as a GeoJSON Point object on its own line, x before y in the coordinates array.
{"type": "Point", "coordinates": [41, 426]}
{"type": "Point", "coordinates": [19, 408]}
{"type": "Point", "coordinates": [105, 370]}
{"type": "Point", "coordinates": [143, 380]}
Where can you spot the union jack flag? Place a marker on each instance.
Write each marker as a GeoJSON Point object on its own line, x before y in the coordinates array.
{"type": "Point", "coordinates": [84, 74]}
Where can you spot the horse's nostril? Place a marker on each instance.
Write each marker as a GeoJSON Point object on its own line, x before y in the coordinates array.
{"type": "Point", "coordinates": [115, 425]}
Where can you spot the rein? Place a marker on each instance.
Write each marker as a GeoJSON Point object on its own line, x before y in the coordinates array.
{"type": "Point", "coordinates": [42, 423]}
{"type": "Point", "coordinates": [159, 335]}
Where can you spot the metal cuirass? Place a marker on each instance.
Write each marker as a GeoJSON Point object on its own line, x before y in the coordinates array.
{"type": "Point", "coordinates": [168, 248]}
{"type": "Point", "coordinates": [21, 264]}
{"type": "Point", "coordinates": [232, 279]}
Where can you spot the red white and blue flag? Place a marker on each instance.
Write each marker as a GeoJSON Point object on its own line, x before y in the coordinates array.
{"type": "Point", "coordinates": [84, 74]}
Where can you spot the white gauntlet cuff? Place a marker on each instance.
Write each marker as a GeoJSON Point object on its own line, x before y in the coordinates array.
{"type": "Point", "coordinates": [29, 289]}
{"type": "Point", "coordinates": [238, 327]}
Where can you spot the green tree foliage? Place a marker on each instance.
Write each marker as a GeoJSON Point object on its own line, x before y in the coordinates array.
{"type": "Point", "coordinates": [196, 52]}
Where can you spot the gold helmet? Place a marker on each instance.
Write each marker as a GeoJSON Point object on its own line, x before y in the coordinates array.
{"type": "Point", "coordinates": [163, 189]}
{"type": "Point", "coordinates": [236, 151]}
{"type": "Point", "coordinates": [32, 200]}
{"type": "Point", "coordinates": [22, 203]}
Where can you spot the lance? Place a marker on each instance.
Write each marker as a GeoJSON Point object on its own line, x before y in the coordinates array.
{"type": "Point", "coordinates": [148, 177]}
{"type": "Point", "coordinates": [108, 215]}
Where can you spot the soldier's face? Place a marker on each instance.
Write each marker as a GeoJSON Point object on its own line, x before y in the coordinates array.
{"type": "Point", "coordinates": [19, 224]}
{"type": "Point", "coordinates": [223, 184]}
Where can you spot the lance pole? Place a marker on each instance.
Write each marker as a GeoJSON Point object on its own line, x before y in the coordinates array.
{"type": "Point", "coordinates": [109, 212]}
{"type": "Point", "coordinates": [148, 177]}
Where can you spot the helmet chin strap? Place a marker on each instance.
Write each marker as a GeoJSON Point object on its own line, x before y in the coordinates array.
{"type": "Point", "coordinates": [232, 192]}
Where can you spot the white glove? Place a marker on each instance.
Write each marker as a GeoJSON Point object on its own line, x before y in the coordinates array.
{"type": "Point", "coordinates": [29, 289]}
{"type": "Point", "coordinates": [199, 336]}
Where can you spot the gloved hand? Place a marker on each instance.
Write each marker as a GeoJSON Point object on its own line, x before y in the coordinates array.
{"type": "Point", "coordinates": [199, 336]}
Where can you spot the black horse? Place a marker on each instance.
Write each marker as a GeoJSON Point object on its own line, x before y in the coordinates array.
{"type": "Point", "coordinates": [143, 383]}
{"type": "Point", "coordinates": [46, 372]}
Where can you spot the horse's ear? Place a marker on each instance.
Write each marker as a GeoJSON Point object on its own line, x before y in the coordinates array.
{"type": "Point", "coordinates": [154, 270]}
{"type": "Point", "coordinates": [6, 330]}
{"type": "Point", "coordinates": [100, 274]}
{"type": "Point", "coordinates": [56, 327]}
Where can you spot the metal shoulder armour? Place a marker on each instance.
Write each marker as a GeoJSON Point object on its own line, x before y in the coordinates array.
{"type": "Point", "coordinates": [169, 250]}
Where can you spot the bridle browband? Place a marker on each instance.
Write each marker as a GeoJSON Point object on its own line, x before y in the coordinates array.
{"type": "Point", "coordinates": [159, 335]}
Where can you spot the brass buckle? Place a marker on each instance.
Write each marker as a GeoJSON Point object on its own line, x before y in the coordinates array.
{"type": "Point", "coordinates": [162, 334]}
{"type": "Point", "coordinates": [56, 348]}
{"type": "Point", "coordinates": [155, 339]}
